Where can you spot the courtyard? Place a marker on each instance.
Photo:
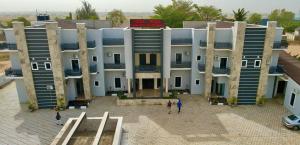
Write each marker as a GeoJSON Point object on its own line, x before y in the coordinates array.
{"type": "Point", "coordinates": [199, 123]}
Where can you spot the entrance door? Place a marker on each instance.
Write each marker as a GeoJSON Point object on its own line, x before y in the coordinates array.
{"type": "Point", "coordinates": [281, 87]}
{"type": "Point", "coordinates": [158, 83]}
{"type": "Point", "coordinates": [152, 59]}
{"type": "Point", "coordinates": [79, 87]}
{"type": "Point", "coordinates": [117, 58]}
{"type": "Point", "coordinates": [148, 83]}
{"type": "Point", "coordinates": [223, 62]}
{"type": "Point", "coordinates": [178, 58]}
{"type": "Point", "coordinates": [142, 59]}
{"type": "Point", "coordinates": [75, 64]}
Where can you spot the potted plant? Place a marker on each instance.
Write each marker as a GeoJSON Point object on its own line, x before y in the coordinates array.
{"type": "Point", "coordinates": [61, 104]}
{"type": "Point", "coordinates": [31, 106]}
{"type": "Point", "coordinates": [232, 101]}
{"type": "Point", "coordinates": [260, 101]}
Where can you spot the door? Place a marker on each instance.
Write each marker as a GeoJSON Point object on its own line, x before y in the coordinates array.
{"type": "Point", "coordinates": [177, 82]}
{"type": "Point", "coordinates": [178, 58]}
{"type": "Point", "coordinates": [142, 59]}
{"type": "Point", "coordinates": [148, 83]}
{"type": "Point", "coordinates": [117, 58]}
{"type": "Point", "coordinates": [117, 83]}
{"type": "Point", "coordinates": [153, 59]}
{"type": "Point", "coordinates": [75, 64]}
{"type": "Point", "coordinates": [223, 62]}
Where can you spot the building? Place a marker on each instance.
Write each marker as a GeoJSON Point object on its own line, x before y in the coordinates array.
{"type": "Point", "coordinates": [236, 60]}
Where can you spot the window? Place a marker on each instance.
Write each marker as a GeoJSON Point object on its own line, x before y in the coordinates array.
{"type": "Point", "coordinates": [197, 82]}
{"type": "Point", "coordinates": [47, 65]}
{"type": "Point", "coordinates": [177, 82]}
{"type": "Point", "coordinates": [198, 57]}
{"type": "Point", "coordinates": [96, 83]}
{"type": "Point", "coordinates": [244, 63]}
{"type": "Point", "coordinates": [117, 83]}
{"type": "Point", "coordinates": [178, 58]}
{"type": "Point", "coordinates": [257, 63]}
{"type": "Point", "coordinates": [117, 58]}
{"type": "Point", "coordinates": [34, 66]}
{"type": "Point", "coordinates": [49, 87]}
{"type": "Point", "coordinates": [292, 100]}
{"type": "Point", "coordinates": [95, 58]}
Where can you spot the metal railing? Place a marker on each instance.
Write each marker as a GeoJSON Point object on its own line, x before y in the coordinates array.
{"type": "Point", "coordinates": [201, 67]}
{"type": "Point", "coordinates": [223, 45]}
{"type": "Point", "coordinates": [203, 44]}
{"type": "Point", "coordinates": [13, 72]}
{"type": "Point", "coordinates": [181, 41]}
{"type": "Point", "coordinates": [218, 70]}
{"type": "Point", "coordinates": [276, 69]}
{"type": "Point", "coordinates": [147, 68]}
{"type": "Point", "coordinates": [9, 46]}
{"type": "Point", "coordinates": [181, 65]}
{"type": "Point", "coordinates": [114, 66]}
{"type": "Point", "coordinates": [113, 41]}
{"type": "Point", "coordinates": [93, 68]}
{"type": "Point", "coordinates": [91, 44]}
{"type": "Point", "coordinates": [69, 46]}
{"type": "Point", "coordinates": [71, 72]}
{"type": "Point", "coordinates": [280, 45]}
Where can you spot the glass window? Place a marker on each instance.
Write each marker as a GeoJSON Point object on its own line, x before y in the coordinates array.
{"type": "Point", "coordinates": [244, 63]}
{"type": "Point", "coordinates": [47, 66]}
{"type": "Point", "coordinates": [292, 100]}
{"type": "Point", "coordinates": [95, 59]}
{"type": "Point", "coordinates": [117, 82]}
{"type": "Point", "coordinates": [177, 82]}
{"type": "Point", "coordinates": [198, 57]}
{"type": "Point", "coordinates": [96, 83]}
{"type": "Point", "coordinates": [197, 82]}
{"type": "Point", "coordinates": [34, 66]}
{"type": "Point", "coordinates": [178, 58]}
{"type": "Point", "coordinates": [292, 117]}
{"type": "Point", "coordinates": [257, 63]}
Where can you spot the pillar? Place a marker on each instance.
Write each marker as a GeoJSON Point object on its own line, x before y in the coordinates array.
{"type": "Point", "coordinates": [167, 85]}
{"type": "Point", "coordinates": [129, 86]}
{"type": "Point", "coordinates": [155, 83]}
{"type": "Point", "coordinates": [209, 59]}
{"type": "Point", "coordinates": [84, 59]}
{"type": "Point", "coordinates": [19, 32]}
{"type": "Point", "coordinates": [236, 57]}
{"type": "Point", "coordinates": [266, 59]}
{"type": "Point", "coordinates": [140, 83]}
{"type": "Point", "coordinates": [56, 60]}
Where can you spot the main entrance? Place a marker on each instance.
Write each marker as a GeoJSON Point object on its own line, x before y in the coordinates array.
{"type": "Point", "coordinates": [148, 83]}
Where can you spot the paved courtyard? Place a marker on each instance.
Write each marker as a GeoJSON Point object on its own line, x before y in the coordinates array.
{"type": "Point", "coordinates": [198, 124]}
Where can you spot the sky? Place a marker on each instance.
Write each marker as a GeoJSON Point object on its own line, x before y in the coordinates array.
{"type": "Point", "coordinates": [261, 6]}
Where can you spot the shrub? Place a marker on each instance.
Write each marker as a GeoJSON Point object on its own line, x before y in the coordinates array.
{"type": "Point", "coordinates": [232, 100]}
{"type": "Point", "coordinates": [121, 95]}
{"type": "Point", "coordinates": [174, 94]}
{"type": "Point", "coordinates": [31, 106]}
{"type": "Point", "coordinates": [61, 103]}
{"type": "Point", "coordinates": [260, 100]}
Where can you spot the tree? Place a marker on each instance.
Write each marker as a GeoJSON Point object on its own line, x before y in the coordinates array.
{"type": "Point", "coordinates": [117, 17]}
{"type": "Point", "coordinates": [281, 16]}
{"type": "Point", "coordinates": [174, 14]}
{"type": "Point", "coordinates": [240, 14]}
{"type": "Point", "coordinates": [255, 18]}
{"type": "Point", "coordinates": [86, 12]}
{"type": "Point", "coordinates": [70, 17]}
{"type": "Point", "coordinates": [20, 19]}
{"type": "Point", "coordinates": [208, 13]}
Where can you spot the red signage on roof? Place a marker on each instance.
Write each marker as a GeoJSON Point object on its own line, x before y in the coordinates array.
{"type": "Point", "coordinates": [152, 23]}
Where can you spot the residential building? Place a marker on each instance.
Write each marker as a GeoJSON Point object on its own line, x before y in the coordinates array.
{"type": "Point", "coordinates": [236, 60]}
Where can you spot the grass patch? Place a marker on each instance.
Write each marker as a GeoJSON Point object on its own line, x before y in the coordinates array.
{"type": "Point", "coordinates": [4, 56]}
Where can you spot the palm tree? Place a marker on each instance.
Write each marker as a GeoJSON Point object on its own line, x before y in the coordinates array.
{"type": "Point", "coordinates": [240, 15]}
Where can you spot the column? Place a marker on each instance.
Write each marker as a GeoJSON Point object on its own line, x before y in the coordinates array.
{"type": "Point", "coordinates": [84, 60]}
{"type": "Point", "coordinates": [167, 85]}
{"type": "Point", "coordinates": [209, 59]}
{"type": "Point", "coordinates": [236, 57]}
{"type": "Point", "coordinates": [155, 83]}
{"type": "Point", "coordinates": [140, 83]}
{"type": "Point", "coordinates": [56, 61]}
{"type": "Point", "coordinates": [267, 54]}
{"type": "Point", "coordinates": [129, 86]}
{"type": "Point", "coordinates": [19, 32]}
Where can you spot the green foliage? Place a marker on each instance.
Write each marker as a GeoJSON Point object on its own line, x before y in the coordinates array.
{"type": "Point", "coordinates": [86, 12]}
{"type": "Point", "coordinates": [231, 100]}
{"type": "Point", "coordinates": [285, 19]}
{"type": "Point", "coordinates": [117, 17]}
{"type": "Point", "coordinates": [121, 95]}
{"type": "Point", "coordinates": [61, 103]}
{"type": "Point", "coordinates": [240, 14]}
{"type": "Point", "coordinates": [19, 19]}
{"type": "Point", "coordinates": [174, 14]}
{"type": "Point", "coordinates": [69, 17]}
{"type": "Point", "coordinates": [290, 26]}
{"type": "Point", "coordinates": [260, 100]}
{"type": "Point", "coordinates": [173, 94]}
{"type": "Point", "coordinates": [31, 106]}
{"type": "Point", "coordinates": [255, 18]}
{"type": "Point", "coordinates": [208, 13]}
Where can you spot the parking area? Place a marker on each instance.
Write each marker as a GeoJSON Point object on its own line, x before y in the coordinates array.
{"type": "Point", "coordinates": [199, 123]}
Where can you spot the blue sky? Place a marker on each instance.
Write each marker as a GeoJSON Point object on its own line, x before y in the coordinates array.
{"type": "Point", "coordinates": [262, 6]}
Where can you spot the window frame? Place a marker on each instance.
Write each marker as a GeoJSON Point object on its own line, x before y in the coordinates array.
{"type": "Point", "coordinates": [246, 63]}
{"type": "Point", "coordinates": [199, 58]}
{"type": "Point", "coordinates": [45, 65]}
{"type": "Point", "coordinates": [94, 56]}
{"type": "Point", "coordinates": [257, 60]}
{"type": "Point", "coordinates": [37, 66]}
{"type": "Point", "coordinates": [96, 81]}
{"type": "Point", "coordinates": [120, 58]}
{"type": "Point", "coordinates": [115, 83]}
{"type": "Point", "coordinates": [196, 82]}
{"type": "Point", "coordinates": [294, 100]}
{"type": "Point", "coordinates": [180, 81]}
{"type": "Point", "coordinates": [176, 57]}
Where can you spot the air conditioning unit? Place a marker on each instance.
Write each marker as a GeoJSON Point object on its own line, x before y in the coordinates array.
{"type": "Point", "coordinates": [187, 53]}
{"type": "Point", "coordinates": [108, 54]}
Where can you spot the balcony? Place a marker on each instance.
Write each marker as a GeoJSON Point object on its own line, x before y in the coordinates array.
{"type": "Point", "coordinates": [70, 47]}
{"type": "Point", "coordinates": [201, 67]}
{"type": "Point", "coordinates": [276, 70]}
{"type": "Point", "coordinates": [93, 68]}
{"type": "Point", "coordinates": [114, 66]}
{"type": "Point", "coordinates": [218, 70]}
{"type": "Point", "coordinates": [91, 44]}
{"type": "Point", "coordinates": [203, 44]}
{"type": "Point", "coordinates": [113, 41]}
{"type": "Point", "coordinates": [181, 42]}
{"type": "Point", "coordinates": [13, 73]}
{"type": "Point", "coordinates": [8, 47]}
{"type": "Point", "coordinates": [181, 65]}
{"type": "Point", "coordinates": [70, 73]}
{"type": "Point", "coordinates": [223, 45]}
{"type": "Point", "coordinates": [147, 68]}
{"type": "Point", "coordinates": [280, 45]}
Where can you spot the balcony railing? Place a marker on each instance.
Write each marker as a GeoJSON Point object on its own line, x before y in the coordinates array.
{"type": "Point", "coordinates": [181, 65]}
{"type": "Point", "coordinates": [181, 41]}
{"type": "Point", "coordinates": [72, 73]}
{"type": "Point", "coordinates": [91, 44]}
{"type": "Point", "coordinates": [93, 68]}
{"type": "Point", "coordinates": [147, 68]}
{"type": "Point", "coordinates": [276, 70]}
{"type": "Point", "coordinates": [114, 66]}
{"type": "Point", "coordinates": [13, 72]}
{"type": "Point", "coordinates": [201, 67]}
{"type": "Point", "coordinates": [218, 70]}
{"type": "Point", "coordinates": [203, 44]}
{"type": "Point", "coordinates": [9, 46]}
{"type": "Point", "coordinates": [69, 46]}
{"type": "Point", "coordinates": [280, 45]}
{"type": "Point", "coordinates": [113, 41]}
{"type": "Point", "coordinates": [223, 45]}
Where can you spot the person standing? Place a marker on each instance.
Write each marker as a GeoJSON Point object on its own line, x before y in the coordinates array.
{"type": "Point", "coordinates": [169, 106]}
{"type": "Point", "coordinates": [179, 105]}
{"type": "Point", "coordinates": [58, 119]}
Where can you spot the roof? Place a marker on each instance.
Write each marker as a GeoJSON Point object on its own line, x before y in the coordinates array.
{"type": "Point", "coordinates": [290, 65]}
{"type": "Point", "coordinates": [219, 24]}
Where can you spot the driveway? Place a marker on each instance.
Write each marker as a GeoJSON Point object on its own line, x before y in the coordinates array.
{"type": "Point", "coordinates": [199, 123]}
